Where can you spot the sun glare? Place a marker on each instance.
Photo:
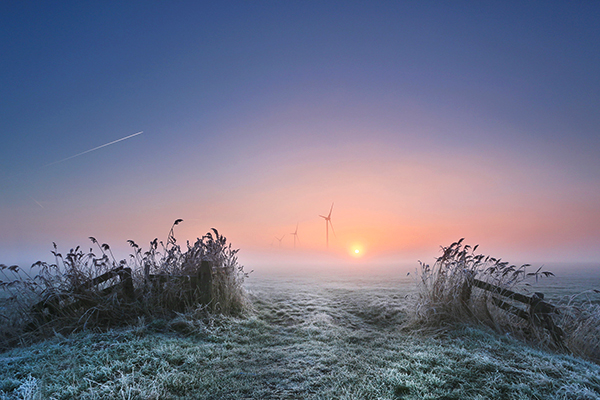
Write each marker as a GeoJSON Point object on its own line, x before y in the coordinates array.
{"type": "Point", "coordinates": [356, 251]}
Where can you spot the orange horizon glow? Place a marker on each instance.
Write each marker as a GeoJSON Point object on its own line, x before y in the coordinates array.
{"type": "Point", "coordinates": [389, 204]}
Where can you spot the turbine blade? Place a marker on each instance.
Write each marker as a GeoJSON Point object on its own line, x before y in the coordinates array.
{"type": "Point", "coordinates": [330, 210]}
{"type": "Point", "coordinates": [332, 230]}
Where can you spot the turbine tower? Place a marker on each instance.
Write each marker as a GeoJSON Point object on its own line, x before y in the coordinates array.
{"type": "Point", "coordinates": [295, 234]}
{"type": "Point", "coordinates": [327, 223]}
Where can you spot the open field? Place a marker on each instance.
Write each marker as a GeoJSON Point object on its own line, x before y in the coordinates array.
{"type": "Point", "coordinates": [312, 338]}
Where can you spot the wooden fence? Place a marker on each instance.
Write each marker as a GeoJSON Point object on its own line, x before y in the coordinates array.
{"type": "Point", "coordinates": [80, 295]}
{"type": "Point", "coordinates": [196, 288]}
{"type": "Point", "coordinates": [537, 312]}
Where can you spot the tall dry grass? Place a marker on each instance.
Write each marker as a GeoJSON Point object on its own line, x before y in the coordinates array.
{"type": "Point", "coordinates": [446, 296]}
{"type": "Point", "coordinates": [227, 294]}
{"type": "Point", "coordinates": [580, 319]}
{"type": "Point", "coordinates": [57, 298]}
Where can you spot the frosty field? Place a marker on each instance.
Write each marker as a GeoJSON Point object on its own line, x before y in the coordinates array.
{"type": "Point", "coordinates": [337, 337]}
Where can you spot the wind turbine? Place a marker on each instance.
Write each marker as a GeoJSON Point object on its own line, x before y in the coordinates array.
{"type": "Point", "coordinates": [280, 239]}
{"type": "Point", "coordinates": [295, 233]}
{"type": "Point", "coordinates": [327, 223]}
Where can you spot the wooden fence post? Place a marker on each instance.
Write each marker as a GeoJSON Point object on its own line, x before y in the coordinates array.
{"type": "Point", "coordinates": [540, 315]}
{"type": "Point", "coordinates": [127, 281]}
{"type": "Point", "coordinates": [205, 282]}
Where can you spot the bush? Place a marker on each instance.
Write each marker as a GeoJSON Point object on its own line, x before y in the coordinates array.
{"type": "Point", "coordinates": [63, 297]}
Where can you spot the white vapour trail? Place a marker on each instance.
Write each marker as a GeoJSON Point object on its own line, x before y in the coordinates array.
{"type": "Point", "coordinates": [37, 202]}
{"type": "Point", "coordinates": [94, 149]}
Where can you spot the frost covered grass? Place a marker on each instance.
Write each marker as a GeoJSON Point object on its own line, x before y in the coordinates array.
{"type": "Point", "coordinates": [307, 338]}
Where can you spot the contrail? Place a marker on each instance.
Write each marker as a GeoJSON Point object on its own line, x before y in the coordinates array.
{"type": "Point", "coordinates": [94, 149]}
{"type": "Point", "coordinates": [38, 203]}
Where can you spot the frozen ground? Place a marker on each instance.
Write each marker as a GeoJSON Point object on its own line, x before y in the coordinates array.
{"type": "Point", "coordinates": [308, 338]}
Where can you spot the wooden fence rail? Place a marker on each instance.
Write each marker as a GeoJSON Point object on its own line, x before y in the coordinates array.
{"type": "Point", "coordinates": [538, 313]}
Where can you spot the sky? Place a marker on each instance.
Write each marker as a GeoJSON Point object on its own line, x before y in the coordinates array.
{"type": "Point", "coordinates": [422, 122]}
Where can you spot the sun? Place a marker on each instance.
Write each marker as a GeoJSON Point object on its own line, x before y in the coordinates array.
{"type": "Point", "coordinates": [356, 250]}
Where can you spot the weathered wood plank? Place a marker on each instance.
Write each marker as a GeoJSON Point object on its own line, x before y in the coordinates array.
{"type": "Point", "coordinates": [510, 308]}
{"type": "Point", "coordinates": [502, 292]}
